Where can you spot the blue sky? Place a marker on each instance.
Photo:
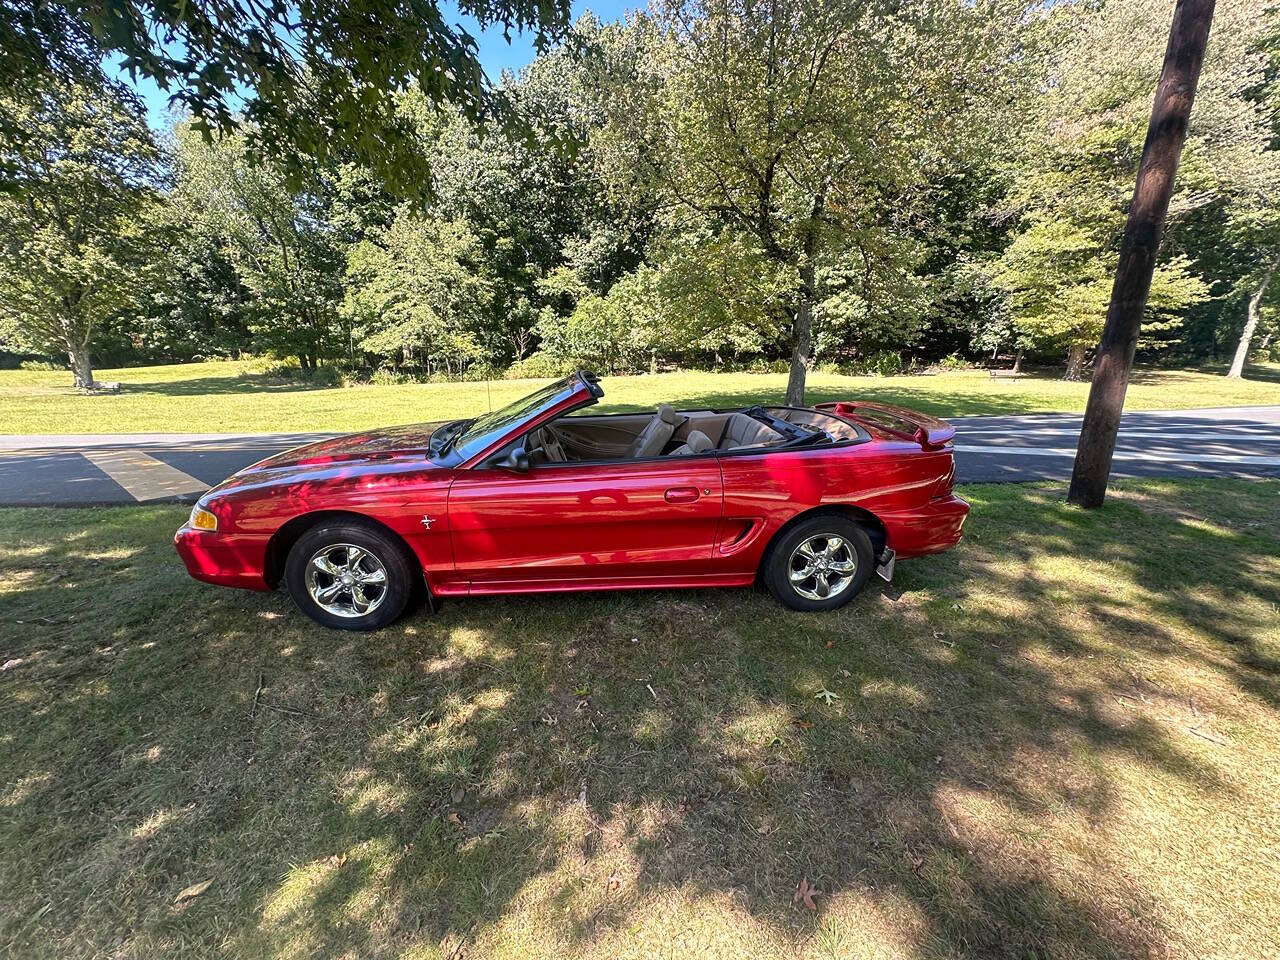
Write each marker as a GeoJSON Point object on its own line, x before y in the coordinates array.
{"type": "Point", "coordinates": [496, 54]}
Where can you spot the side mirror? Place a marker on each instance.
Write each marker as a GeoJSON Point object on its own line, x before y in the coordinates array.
{"type": "Point", "coordinates": [516, 460]}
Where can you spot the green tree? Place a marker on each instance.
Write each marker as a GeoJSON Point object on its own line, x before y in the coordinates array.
{"type": "Point", "coordinates": [798, 125]}
{"type": "Point", "coordinates": [418, 294]}
{"type": "Point", "coordinates": [536, 201]}
{"type": "Point", "coordinates": [305, 81]}
{"type": "Point", "coordinates": [1073, 177]}
{"type": "Point", "coordinates": [72, 237]}
{"type": "Point", "coordinates": [1255, 216]}
{"type": "Point", "coordinates": [280, 240]}
{"type": "Point", "coordinates": [614, 333]}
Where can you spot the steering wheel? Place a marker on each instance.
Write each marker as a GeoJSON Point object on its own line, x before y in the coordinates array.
{"type": "Point", "coordinates": [551, 446]}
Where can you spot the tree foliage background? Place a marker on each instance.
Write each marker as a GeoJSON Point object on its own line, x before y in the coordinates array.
{"type": "Point", "coordinates": [757, 183]}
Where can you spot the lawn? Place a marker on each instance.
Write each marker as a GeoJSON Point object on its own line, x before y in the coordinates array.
{"type": "Point", "coordinates": [227, 397]}
{"type": "Point", "coordinates": [1060, 740]}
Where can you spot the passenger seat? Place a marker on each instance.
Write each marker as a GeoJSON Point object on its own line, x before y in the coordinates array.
{"type": "Point", "coordinates": [743, 431]}
{"type": "Point", "coordinates": [656, 433]}
{"type": "Point", "coordinates": [696, 442]}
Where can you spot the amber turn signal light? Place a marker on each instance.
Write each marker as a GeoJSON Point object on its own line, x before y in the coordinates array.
{"type": "Point", "coordinates": [202, 519]}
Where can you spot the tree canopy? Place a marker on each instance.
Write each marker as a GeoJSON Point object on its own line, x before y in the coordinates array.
{"type": "Point", "coordinates": [304, 81]}
{"type": "Point", "coordinates": [764, 184]}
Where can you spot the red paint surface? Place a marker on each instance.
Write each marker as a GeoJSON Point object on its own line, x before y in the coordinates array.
{"type": "Point", "coordinates": [666, 522]}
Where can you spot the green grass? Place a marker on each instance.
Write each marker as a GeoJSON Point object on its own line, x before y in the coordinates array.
{"type": "Point", "coordinates": [225, 397]}
{"type": "Point", "coordinates": [1060, 740]}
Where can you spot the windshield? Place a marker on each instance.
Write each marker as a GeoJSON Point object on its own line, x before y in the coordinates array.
{"type": "Point", "coordinates": [488, 428]}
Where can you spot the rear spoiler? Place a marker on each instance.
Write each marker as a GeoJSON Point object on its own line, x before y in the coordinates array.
{"type": "Point", "coordinates": [930, 432]}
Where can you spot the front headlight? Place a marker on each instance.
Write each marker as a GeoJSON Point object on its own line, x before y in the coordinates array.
{"type": "Point", "coordinates": [202, 519]}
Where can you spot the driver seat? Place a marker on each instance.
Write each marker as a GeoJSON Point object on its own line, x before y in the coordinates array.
{"type": "Point", "coordinates": [653, 438]}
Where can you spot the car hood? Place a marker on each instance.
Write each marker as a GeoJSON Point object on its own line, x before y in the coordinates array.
{"type": "Point", "coordinates": [373, 446]}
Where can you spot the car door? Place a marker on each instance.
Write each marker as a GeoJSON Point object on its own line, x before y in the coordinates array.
{"type": "Point", "coordinates": [586, 524]}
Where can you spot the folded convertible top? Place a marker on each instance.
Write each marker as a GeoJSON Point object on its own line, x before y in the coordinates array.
{"type": "Point", "coordinates": [930, 432]}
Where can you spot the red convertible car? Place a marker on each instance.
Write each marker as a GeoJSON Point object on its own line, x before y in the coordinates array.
{"type": "Point", "coordinates": [538, 497]}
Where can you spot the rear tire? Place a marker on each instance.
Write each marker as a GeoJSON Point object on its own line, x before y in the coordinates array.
{"type": "Point", "coordinates": [349, 575]}
{"type": "Point", "coordinates": [819, 564]}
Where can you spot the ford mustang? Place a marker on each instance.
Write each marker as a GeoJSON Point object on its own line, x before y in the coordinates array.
{"type": "Point", "coordinates": [538, 496]}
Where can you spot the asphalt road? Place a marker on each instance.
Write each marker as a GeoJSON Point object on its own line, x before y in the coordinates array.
{"type": "Point", "coordinates": [144, 468]}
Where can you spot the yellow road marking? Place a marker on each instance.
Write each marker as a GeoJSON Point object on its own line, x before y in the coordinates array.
{"type": "Point", "coordinates": [144, 477]}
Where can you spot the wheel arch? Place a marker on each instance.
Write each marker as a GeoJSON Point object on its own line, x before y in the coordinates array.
{"type": "Point", "coordinates": [864, 518]}
{"type": "Point", "coordinates": [291, 531]}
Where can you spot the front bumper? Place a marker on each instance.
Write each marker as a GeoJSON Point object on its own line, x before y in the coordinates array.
{"type": "Point", "coordinates": [935, 527]}
{"type": "Point", "coordinates": [229, 560]}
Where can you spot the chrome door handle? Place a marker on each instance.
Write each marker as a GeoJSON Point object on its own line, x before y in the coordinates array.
{"type": "Point", "coordinates": [681, 495]}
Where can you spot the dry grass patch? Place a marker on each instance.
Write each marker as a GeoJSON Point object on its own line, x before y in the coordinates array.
{"type": "Point", "coordinates": [1060, 740]}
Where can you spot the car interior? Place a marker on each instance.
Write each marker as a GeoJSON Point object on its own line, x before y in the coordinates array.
{"type": "Point", "coordinates": [671, 433]}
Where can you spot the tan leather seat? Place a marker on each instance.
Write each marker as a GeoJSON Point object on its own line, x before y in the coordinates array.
{"type": "Point", "coordinates": [696, 442]}
{"type": "Point", "coordinates": [743, 431]}
{"type": "Point", "coordinates": [656, 433]}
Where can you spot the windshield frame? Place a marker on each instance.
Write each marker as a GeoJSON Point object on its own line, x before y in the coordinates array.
{"type": "Point", "coordinates": [494, 429]}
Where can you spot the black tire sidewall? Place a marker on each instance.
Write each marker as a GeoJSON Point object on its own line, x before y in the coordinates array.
{"type": "Point", "coordinates": [775, 573]}
{"type": "Point", "coordinates": [390, 553]}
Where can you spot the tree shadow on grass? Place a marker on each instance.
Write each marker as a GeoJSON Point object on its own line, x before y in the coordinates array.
{"type": "Point", "coordinates": [648, 772]}
{"type": "Point", "coordinates": [217, 386]}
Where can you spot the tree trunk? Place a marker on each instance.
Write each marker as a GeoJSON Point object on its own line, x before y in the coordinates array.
{"type": "Point", "coordinates": [81, 367]}
{"type": "Point", "coordinates": [1160, 154]}
{"type": "Point", "coordinates": [1017, 362]}
{"type": "Point", "coordinates": [1251, 322]}
{"type": "Point", "coordinates": [1075, 362]}
{"type": "Point", "coordinates": [802, 336]}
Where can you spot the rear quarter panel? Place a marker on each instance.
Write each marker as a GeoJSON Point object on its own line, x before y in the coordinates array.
{"type": "Point", "coordinates": [897, 482]}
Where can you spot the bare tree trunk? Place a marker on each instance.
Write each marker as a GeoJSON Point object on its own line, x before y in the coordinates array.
{"type": "Point", "coordinates": [1251, 322]}
{"type": "Point", "coordinates": [1017, 362]}
{"type": "Point", "coordinates": [1160, 155]}
{"type": "Point", "coordinates": [1075, 362]}
{"type": "Point", "coordinates": [802, 336]}
{"type": "Point", "coordinates": [81, 366]}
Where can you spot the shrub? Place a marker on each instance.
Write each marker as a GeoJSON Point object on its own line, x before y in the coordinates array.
{"type": "Point", "coordinates": [540, 365]}
{"type": "Point", "coordinates": [883, 363]}
{"type": "Point", "coordinates": [385, 377]}
{"type": "Point", "coordinates": [44, 365]}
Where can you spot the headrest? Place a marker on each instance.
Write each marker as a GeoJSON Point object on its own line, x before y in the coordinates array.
{"type": "Point", "coordinates": [667, 414]}
{"type": "Point", "coordinates": [697, 441]}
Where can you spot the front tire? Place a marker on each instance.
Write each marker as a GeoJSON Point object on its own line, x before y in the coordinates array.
{"type": "Point", "coordinates": [350, 576]}
{"type": "Point", "coordinates": [819, 564]}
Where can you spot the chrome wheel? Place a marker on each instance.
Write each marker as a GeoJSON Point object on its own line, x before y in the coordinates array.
{"type": "Point", "coordinates": [822, 567]}
{"type": "Point", "coordinates": [346, 580]}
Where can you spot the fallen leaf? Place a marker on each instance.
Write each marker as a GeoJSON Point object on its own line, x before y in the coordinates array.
{"type": "Point", "coordinates": [804, 894]}
{"type": "Point", "coordinates": [614, 882]}
{"type": "Point", "coordinates": [454, 818]}
{"type": "Point", "coordinates": [193, 891]}
{"type": "Point", "coordinates": [458, 794]}
{"type": "Point", "coordinates": [804, 724]}
{"type": "Point", "coordinates": [10, 664]}
{"type": "Point", "coordinates": [826, 695]}
{"type": "Point", "coordinates": [916, 863]}
{"type": "Point", "coordinates": [829, 644]}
